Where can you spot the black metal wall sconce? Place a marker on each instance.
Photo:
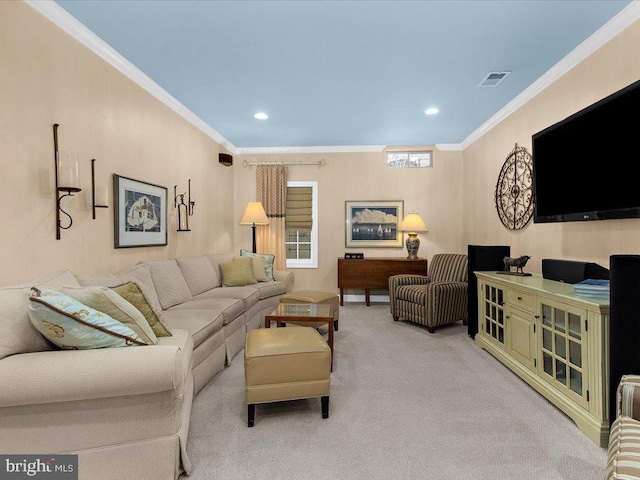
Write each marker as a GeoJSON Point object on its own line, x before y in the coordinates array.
{"type": "Point", "coordinates": [100, 194]}
{"type": "Point", "coordinates": [66, 173]}
{"type": "Point", "coordinates": [185, 210]}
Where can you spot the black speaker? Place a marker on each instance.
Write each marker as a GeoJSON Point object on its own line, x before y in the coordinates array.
{"type": "Point", "coordinates": [481, 258]}
{"type": "Point", "coordinates": [624, 322]}
{"type": "Point", "coordinates": [225, 159]}
{"type": "Point", "coordinates": [571, 271]}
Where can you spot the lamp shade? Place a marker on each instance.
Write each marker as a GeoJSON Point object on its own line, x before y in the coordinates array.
{"type": "Point", "coordinates": [254, 214]}
{"type": "Point", "coordinates": [413, 223]}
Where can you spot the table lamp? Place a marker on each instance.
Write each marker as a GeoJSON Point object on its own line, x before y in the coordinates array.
{"type": "Point", "coordinates": [412, 224]}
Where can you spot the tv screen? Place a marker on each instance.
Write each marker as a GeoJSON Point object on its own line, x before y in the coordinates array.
{"type": "Point", "coordinates": [587, 167]}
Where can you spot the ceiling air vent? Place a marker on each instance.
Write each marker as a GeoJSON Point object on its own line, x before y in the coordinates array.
{"type": "Point", "coordinates": [492, 79]}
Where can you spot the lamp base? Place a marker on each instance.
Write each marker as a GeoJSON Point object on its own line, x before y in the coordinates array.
{"type": "Point", "coordinates": [413, 244]}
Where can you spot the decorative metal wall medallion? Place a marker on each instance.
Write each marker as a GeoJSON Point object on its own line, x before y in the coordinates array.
{"type": "Point", "coordinates": [514, 193]}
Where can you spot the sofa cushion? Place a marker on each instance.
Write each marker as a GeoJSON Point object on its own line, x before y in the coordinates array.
{"type": "Point", "coordinates": [132, 293]}
{"type": "Point", "coordinates": [170, 284]}
{"type": "Point", "coordinates": [201, 324]}
{"type": "Point", "coordinates": [624, 450]}
{"type": "Point", "coordinates": [140, 274]}
{"type": "Point", "coordinates": [198, 273]}
{"type": "Point", "coordinates": [250, 295]}
{"type": "Point", "coordinates": [237, 273]}
{"type": "Point", "coordinates": [18, 334]}
{"type": "Point", "coordinates": [71, 325]}
{"type": "Point", "coordinates": [268, 262]}
{"type": "Point", "coordinates": [216, 260]}
{"type": "Point", "coordinates": [230, 308]}
{"type": "Point", "coordinates": [105, 300]}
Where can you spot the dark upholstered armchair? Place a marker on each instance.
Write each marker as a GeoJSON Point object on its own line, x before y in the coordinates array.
{"type": "Point", "coordinates": [440, 298]}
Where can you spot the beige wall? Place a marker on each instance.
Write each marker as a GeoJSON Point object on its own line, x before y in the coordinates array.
{"type": "Point", "coordinates": [435, 193]}
{"type": "Point", "coordinates": [47, 77]}
{"type": "Point", "coordinates": [612, 67]}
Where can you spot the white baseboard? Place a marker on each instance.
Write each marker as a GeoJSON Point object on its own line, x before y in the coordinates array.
{"type": "Point", "coordinates": [361, 298]}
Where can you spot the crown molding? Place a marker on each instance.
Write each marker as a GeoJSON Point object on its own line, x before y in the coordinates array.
{"type": "Point", "coordinates": [449, 147]}
{"type": "Point", "coordinates": [319, 149]}
{"type": "Point", "coordinates": [59, 16]}
{"type": "Point", "coordinates": [627, 16]}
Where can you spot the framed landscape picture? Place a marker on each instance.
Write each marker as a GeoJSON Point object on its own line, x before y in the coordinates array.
{"type": "Point", "coordinates": [140, 213]}
{"type": "Point", "coordinates": [373, 223]}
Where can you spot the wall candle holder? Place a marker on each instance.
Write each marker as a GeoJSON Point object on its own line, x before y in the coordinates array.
{"type": "Point", "coordinates": [185, 210]}
{"type": "Point", "coordinates": [66, 190]}
{"type": "Point", "coordinates": [104, 195]}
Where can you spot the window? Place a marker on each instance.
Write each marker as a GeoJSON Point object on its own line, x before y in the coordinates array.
{"type": "Point", "coordinates": [409, 159]}
{"type": "Point", "coordinates": [301, 225]}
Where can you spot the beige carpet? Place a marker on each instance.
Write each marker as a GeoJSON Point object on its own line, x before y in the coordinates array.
{"type": "Point", "coordinates": [405, 404]}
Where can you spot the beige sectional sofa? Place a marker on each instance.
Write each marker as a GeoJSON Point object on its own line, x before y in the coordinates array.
{"type": "Point", "coordinates": [126, 411]}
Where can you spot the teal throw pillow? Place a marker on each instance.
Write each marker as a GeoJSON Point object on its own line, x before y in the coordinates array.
{"type": "Point", "coordinates": [268, 262]}
{"type": "Point", "coordinates": [71, 325]}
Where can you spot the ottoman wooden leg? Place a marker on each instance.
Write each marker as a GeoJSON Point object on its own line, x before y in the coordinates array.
{"type": "Point", "coordinates": [251, 414]}
{"type": "Point", "coordinates": [325, 406]}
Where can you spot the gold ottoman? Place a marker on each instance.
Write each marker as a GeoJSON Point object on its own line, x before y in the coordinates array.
{"type": "Point", "coordinates": [286, 364]}
{"type": "Point", "coordinates": [314, 296]}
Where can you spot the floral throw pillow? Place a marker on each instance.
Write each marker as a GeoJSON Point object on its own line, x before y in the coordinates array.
{"type": "Point", "coordinates": [71, 325]}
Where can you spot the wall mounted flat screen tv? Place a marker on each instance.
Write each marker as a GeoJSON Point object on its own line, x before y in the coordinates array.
{"type": "Point", "coordinates": [587, 166]}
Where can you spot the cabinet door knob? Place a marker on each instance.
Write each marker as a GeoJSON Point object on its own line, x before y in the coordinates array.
{"type": "Point", "coordinates": [519, 298]}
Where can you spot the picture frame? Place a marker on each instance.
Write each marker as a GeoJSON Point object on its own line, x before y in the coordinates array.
{"type": "Point", "coordinates": [140, 213]}
{"type": "Point", "coordinates": [373, 223]}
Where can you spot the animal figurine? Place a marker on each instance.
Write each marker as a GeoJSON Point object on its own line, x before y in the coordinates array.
{"type": "Point", "coordinates": [515, 262]}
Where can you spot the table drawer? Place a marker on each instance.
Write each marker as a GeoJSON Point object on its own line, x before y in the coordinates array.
{"type": "Point", "coordinates": [521, 300]}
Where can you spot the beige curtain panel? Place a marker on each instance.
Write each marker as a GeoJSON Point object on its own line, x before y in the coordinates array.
{"type": "Point", "coordinates": [298, 213]}
{"type": "Point", "coordinates": [271, 191]}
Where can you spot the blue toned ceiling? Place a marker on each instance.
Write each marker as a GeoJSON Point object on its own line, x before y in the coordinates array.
{"type": "Point", "coordinates": [341, 73]}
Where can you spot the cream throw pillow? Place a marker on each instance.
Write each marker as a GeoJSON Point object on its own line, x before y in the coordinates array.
{"type": "Point", "coordinates": [105, 300]}
{"type": "Point", "coordinates": [259, 268]}
{"type": "Point", "coordinates": [237, 273]}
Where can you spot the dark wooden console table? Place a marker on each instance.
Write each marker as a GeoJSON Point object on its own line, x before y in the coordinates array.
{"type": "Point", "coordinates": [374, 273]}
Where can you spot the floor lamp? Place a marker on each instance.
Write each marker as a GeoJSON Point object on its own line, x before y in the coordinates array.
{"type": "Point", "coordinates": [254, 215]}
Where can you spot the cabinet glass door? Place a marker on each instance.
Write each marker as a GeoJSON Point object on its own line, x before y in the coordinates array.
{"type": "Point", "coordinates": [563, 349]}
{"type": "Point", "coordinates": [494, 313]}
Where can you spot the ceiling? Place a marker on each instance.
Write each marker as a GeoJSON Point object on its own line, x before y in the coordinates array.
{"type": "Point", "coordinates": [343, 73]}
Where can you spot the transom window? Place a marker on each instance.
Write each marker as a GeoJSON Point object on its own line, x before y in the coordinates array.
{"type": "Point", "coordinates": [301, 225]}
{"type": "Point", "coordinates": [409, 159]}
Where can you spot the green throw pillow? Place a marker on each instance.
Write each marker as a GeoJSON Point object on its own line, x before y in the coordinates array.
{"type": "Point", "coordinates": [268, 262]}
{"type": "Point", "coordinates": [237, 273]}
{"type": "Point", "coordinates": [71, 325]}
{"type": "Point", "coordinates": [131, 292]}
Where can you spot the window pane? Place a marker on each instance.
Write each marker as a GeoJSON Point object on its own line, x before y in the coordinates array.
{"type": "Point", "coordinates": [304, 251]}
{"type": "Point", "coordinates": [304, 236]}
{"type": "Point", "coordinates": [409, 159]}
{"type": "Point", "coordinates": [292, 251]}
{"type": "Point", "coordinates": [291, 235]}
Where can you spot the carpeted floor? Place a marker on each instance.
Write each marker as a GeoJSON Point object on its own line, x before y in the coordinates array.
{"type": "Point", "coordinates": [405, 404]}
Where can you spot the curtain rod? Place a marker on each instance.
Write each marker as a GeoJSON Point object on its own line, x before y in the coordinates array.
{"type": "Point", "coordinates": [300, 163]}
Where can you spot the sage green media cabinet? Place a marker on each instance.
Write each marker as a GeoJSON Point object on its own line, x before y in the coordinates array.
{"type": "Point", "coordinates": [555, 341]}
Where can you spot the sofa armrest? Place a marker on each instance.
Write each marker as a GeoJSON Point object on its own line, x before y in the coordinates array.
{"type": "Point", "coordinates": [285, 277]}
{"type": "Point", "coordinates": [66, 376]}
{"type": "Point", "coordinates": [628, 397]}
{"type": "Point", "coordinates": [447, 301]}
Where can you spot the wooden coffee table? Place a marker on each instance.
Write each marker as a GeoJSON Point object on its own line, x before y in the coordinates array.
{"type": "Point", "coordinates": [303, 313]}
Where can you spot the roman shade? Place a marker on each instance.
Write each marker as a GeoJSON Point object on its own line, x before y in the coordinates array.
{"type": "Point", "coordinates": [299, 214]}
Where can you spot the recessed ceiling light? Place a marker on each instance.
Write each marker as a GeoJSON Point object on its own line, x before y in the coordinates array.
{"type": "Point", "coordinates": [431, 111]}
{"type": "Point", "coordinates": [261, 116]}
